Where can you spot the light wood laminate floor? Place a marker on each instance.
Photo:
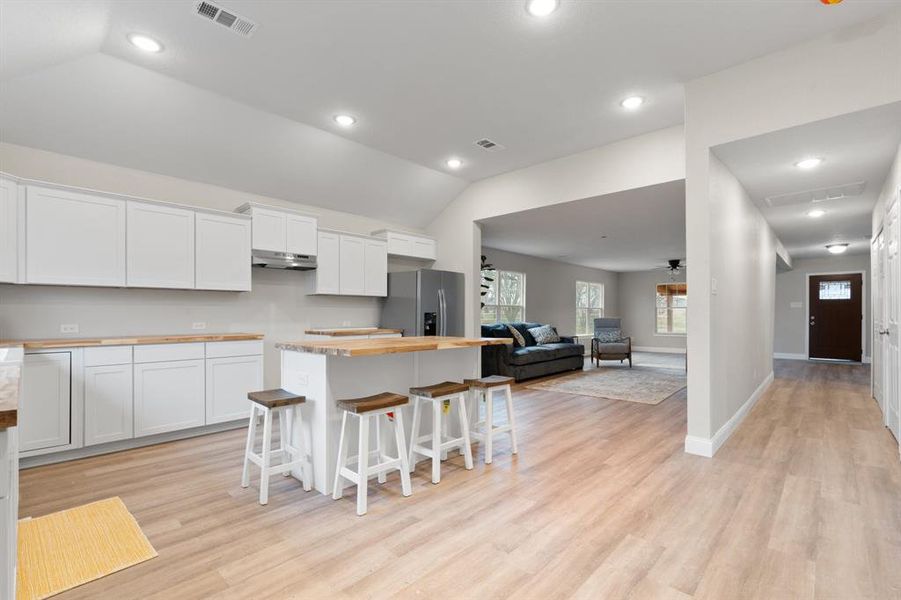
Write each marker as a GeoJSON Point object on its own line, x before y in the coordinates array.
{"type": "Point", "coordinates": [803, 502]}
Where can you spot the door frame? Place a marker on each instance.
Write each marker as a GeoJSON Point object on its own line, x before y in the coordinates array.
{"type": "Point", "coordinates": [864, 359]}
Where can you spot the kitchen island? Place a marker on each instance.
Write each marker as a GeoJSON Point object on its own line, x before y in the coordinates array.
{"type": "Point", "coordinates": [327, 371]}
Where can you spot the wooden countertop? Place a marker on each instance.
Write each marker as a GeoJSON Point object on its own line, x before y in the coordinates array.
{"type": "Point", "coordinates": [357, 331]}
{"type": "Point", "coordinates": [374, 347]}
{"type": "Point", "coordinates": [138, 340]}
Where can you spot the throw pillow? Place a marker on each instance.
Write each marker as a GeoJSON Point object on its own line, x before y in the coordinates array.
{"type": "Point", "coordinates": [606, 336]}
{"type": "Point", "coordinates": [520, 341]}
{"type": "Point", "coordinates": [544, 334]}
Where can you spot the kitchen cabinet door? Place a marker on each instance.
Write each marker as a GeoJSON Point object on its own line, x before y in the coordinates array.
{"type": "Point", "coordinates": [222, 252]}
{"type": "Point", "coordinates": [9, 231]}
{"type": "Point", "coordinates": [328, 280]}
{"type": "Point", "coordinates": [168, 396]}
{"type": "Point", "coordinates": [376, 268]}
{"type": "Point", "coordinates": [424, 248]}
{"type": "Point", "coordinates": [73, 238]}
{"type": "Point", "coordinates": [269, 230]}
{"type": "Point", "coordinates": [160, 246]}
{"type": "Point", "coordinates": [399, 244]}
{"type": "Point", "coordinates": [228, 381]}
{"type": "Point", "coordinates": [301, 235]}
{"type": "Point", "coordinates": [108, 404]}
{"type": "Point", "coordinates": [46, 407]}
{"type": "Point", "coordinates": [352, 268]}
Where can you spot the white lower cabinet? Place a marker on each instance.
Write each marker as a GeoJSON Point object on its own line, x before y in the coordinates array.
{"type": "Point", "coordinates": [168, 396]}
{"type": "Point", "coordinates": [46, 407]}
{"type": "Point", "coordinates": [108, 404]}
{"type": "Point", "coordinates": [228, 380]}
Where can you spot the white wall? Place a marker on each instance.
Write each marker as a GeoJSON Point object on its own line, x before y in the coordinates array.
{"type": "Point", "coordinates": [551, 287]}
{"type": "Point", "coordinates": [790, 339]}
{"type": "Point", "coordinates": [889, 190]}
{"type": "Point", "coordinates": [278, 306]}
{"type": "Point", "coordinates": [638, 303]}
{"type": "Point", "coordinates": [839, 73]}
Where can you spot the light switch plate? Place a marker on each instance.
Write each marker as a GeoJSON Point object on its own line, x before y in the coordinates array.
{"type": "Point", "coordinates": [68, 328]}
{"type": "Point", "coordinates": [713, 286]}
{"type": "Point", "coordinates": [797, 305]}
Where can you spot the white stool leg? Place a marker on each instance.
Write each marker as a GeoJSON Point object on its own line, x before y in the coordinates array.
{"type": "Point", "coordinates": [436, 440]}
{"type": "Point", "coordinates": [283, 437]}
{"type": "Point", "coordinates": [417, 416]}
{"type": "Point", "coordinates": [511, 420]}
{"type": "Point", "coordinates": [248, 449]}
{"type": "Point", "coordinates": [402, 452]}
{"type": "Point", "coordinates": [363, 465]}
{"type": "Point", "coordinates": [342, 458]}
{"type": "Point", "coordinates": [267, 457]}
{"type": "Point", "coordinates": [303, 446]}
{"type": "Point", "coordinates": [382, 477]}
{"type": "Point", "coordinates": [464, 432]}
{"type": "Point", "coordinates": [489, 426]}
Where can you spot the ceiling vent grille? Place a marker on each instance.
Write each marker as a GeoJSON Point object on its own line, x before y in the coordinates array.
{"type": "Point", "coordinates": [848, 190]}
{"type": "Point", "coordinates": [489, 145]}
{"type": "Point", "coordinates": [227, 19]}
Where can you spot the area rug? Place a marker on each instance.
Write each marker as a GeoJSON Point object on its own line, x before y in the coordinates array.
{"type": "Point", "coordinates": [645, 385]}
{"type": "Point", "coordinates": [63, 550]}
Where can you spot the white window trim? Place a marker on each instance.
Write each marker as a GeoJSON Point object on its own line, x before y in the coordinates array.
{"type": "Point", "coordinates": [667, 334]}
{"type": "Point", "coordinates": [602, 307]}
{"type": "Point", "coordinates": [497, 307]}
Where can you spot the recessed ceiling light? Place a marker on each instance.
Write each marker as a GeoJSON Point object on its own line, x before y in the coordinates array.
{"type": "Point", "coordinates": [632, 102]}
{"type": "Point", "coordinates": [816, 213]}
{"type": "Point", "coordinates": [454, 163]}
{"type": "Point", "coordinates": [836, 248]}
{"type": "Point", "coordinates": [345, 120]}
{"type": "Point", "coordinates": [145, 43]}
{"type": "Point", "coordinates": [809, 163]}
{"type": "Point", "coordinates": [541, 8]}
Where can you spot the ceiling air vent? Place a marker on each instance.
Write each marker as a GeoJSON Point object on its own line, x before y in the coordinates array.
{"type": "Point", "coordinates": [227, 19]}
{"type": "Point", "coordinates": [490, 146]}
{"type": "Point", "coordinates": [848, 190]}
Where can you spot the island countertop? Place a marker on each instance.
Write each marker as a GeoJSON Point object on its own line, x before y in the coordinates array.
{"type": "Point", "coordinates": [137, 340]}
{"type": "Point", "coordinates": [396, 345]}
{"type": "Point", "coordinates": [353, 331]}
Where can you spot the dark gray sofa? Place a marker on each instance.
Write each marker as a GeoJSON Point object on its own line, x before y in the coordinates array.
{"type": "Point", "coordinates": [533, 360]}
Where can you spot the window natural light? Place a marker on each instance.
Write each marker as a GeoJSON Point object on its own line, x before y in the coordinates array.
{"type": "Point", "coordinates": [672, 308]}
{"type": "Point", "coordinates": [589, 305]}
{"type": "Point", "coordinates": [505, 301]}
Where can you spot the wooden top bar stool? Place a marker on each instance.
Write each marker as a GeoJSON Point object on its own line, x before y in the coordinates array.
{"type": "Point", "coordinates": [284, 404]}
{"type": "Point", "coordinates": [485, 429]}
{"type": "Point", "coordinates": [369, 409]}
{"type": "Point", "coordinates": [440, 395]}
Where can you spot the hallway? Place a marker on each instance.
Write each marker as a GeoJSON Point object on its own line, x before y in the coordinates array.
{"type": "Point", "coordinates": [601, 502]}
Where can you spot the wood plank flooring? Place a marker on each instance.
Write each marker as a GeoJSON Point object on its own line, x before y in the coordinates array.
{"type": "Point", "coordinates": [803, 502]}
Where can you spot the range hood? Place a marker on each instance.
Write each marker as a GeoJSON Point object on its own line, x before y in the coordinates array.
{"type": "Point", "coordinates": [283, 260]}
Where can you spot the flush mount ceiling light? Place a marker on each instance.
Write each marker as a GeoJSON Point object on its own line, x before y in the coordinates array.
{"type": "Point", "coordinates": [345, 120]}
{"type": "Point", "coordinates": [541, 8]}
{"type": "Point", "coordinates": [144, 42]}
{"type": "Point", "coordinates": [836, 248]}
{"type": "Point", "coordinates": [454, 163]}
{"type": "Point", "coordinates": [816, 213]}
{"type": "Point", "coordinates": [632, 102]}
{"type": "Point", "coordinates": [809, 163]}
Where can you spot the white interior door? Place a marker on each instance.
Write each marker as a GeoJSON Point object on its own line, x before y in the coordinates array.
{"type": "Point", "coordinates": [877, 256]}
{"type": "Point", "coordinates": [892, 327]}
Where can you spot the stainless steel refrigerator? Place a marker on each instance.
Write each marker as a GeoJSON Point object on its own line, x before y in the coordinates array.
{"type": "Point", "coordinates": [425, 302]}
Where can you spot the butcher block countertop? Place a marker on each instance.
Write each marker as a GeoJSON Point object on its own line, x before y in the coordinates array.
{"type": "Point", "coordinates": [357, 331]}
{"type": "Point", "coordinates": [374, 347]}
{"type": "Point", "coordinates": [137, 340]}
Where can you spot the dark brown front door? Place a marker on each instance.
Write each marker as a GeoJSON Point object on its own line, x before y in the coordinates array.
{"type": "Point", "coordinates": [836, 314]}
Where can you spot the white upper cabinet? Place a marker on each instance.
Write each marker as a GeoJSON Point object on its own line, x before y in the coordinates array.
{"type": "Point", "coordinates": [222, 252]}
{"type": "Point", "coordinates": [160, 246]}
{"type": "Point", "coordinates": [73, 238]}
{"type": "Point", "coordinates": [276, 230]}
{"type": "Point", "coordinates": [352, 269]}
{"type": "Point", "coordinates": [376, 268]}
{"type": "Point", "coordinates": [9, 231]}
{"type": "Point", "coordinates": [408, 245]}
{"type": "Point", "coordinates": [328, 264]}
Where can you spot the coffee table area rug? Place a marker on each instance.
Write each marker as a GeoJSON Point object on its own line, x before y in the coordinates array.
{"type": "Point", "coordinates": [645, 385]}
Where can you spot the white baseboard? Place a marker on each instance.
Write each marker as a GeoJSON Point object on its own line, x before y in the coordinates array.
{"type": "Point", "coordinates": [662, 349]}
{"type": "Point", "coordinates": [789, 356]}
{"type": "Point", "coordinates": [708, 447]}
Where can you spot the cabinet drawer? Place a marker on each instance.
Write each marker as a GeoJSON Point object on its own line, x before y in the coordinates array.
{"type": "Point", "coordinates": [168, 352]}
{"type": "Point", "coordinates": [108, 355]}
{"type": "Point", "coordinates": [242, 348]}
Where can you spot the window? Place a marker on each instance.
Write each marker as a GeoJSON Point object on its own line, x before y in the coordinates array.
{"type": "Point", "coordinates": [589, 305]}
{"type": "Point", "coordinates": [506, 298]}
{"type": "Point", "coordinates": [835, 290]}
{"type": "Point", "coordinates": [672, 308]}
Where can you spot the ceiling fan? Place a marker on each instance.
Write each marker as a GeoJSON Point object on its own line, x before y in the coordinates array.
{"type": "Point", "coordinates": [674, 266]}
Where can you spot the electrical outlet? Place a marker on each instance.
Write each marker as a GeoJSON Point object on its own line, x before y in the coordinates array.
{"type": "Point", "coordinates": [68, 328]}
{"type": "Point", "coordinates": [198, 325]}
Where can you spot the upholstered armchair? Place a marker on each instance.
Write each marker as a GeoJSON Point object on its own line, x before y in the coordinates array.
{"type": "Point", "coordinates": [608, 342]}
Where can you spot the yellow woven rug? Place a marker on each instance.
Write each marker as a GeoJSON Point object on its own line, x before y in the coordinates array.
{"type": "Point", "coordinates": [63, 550]}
